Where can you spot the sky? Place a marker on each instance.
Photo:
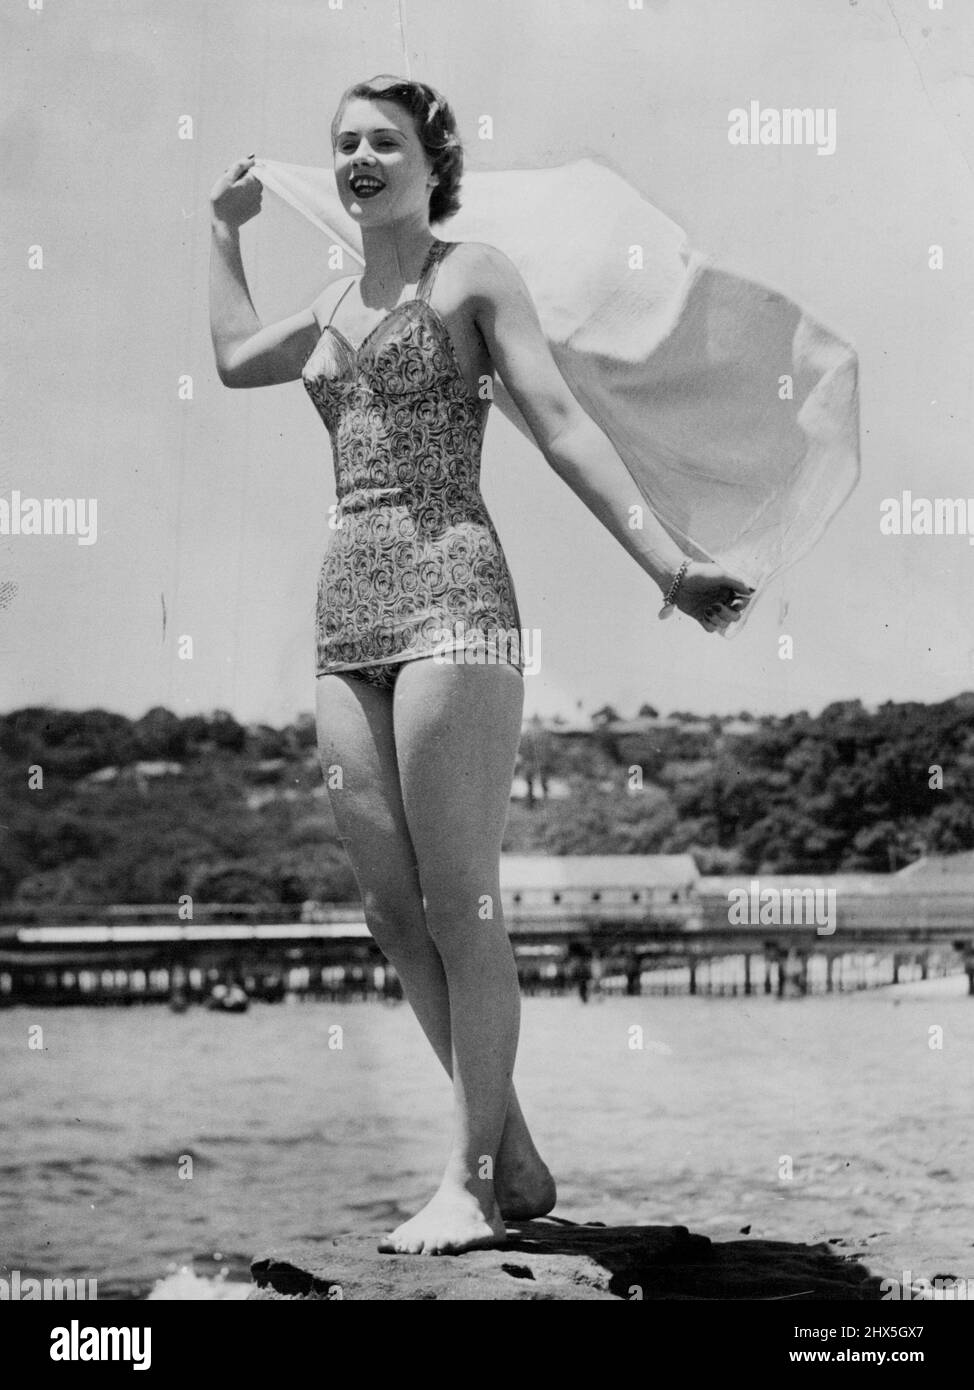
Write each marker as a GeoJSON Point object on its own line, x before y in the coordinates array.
{"type": "Point", "coordinates": [212, 511]}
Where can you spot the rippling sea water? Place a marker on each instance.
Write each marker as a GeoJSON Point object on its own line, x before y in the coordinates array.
{"type": "Point", "coordinates": [291, 1138]}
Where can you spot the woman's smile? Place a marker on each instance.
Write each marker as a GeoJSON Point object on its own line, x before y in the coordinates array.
{"type": "Point", "coordinates": [365, 185]}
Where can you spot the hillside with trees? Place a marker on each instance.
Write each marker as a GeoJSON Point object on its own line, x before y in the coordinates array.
{"type": "Point", "coordinates": [98, 808]}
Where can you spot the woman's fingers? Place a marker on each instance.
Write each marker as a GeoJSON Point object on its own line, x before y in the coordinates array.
{"type": "Point", "coordinates": [715, 597]}
{"type": "Point", "coordinates": [722, 613]}
{"type": "Point", "coordinates": [735, 593]}
{"type": "Point", "coordinates": [733, 581]}
{"type": "Point", "coordinates": [237, 193]}
{"type": "Point", "coordinates": [733, 598]}
{"type": "Point", "coordinates": [719, 616]}
{"type": "Point", "coordinates": [729, 607]}
{"type": "Point", "coordinates": [237, 170]}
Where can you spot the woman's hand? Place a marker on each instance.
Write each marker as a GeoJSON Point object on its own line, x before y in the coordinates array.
{"type": "Point", "coordinates": [713, 596]}
{"type": "Point", "coordinates": [235, 197]}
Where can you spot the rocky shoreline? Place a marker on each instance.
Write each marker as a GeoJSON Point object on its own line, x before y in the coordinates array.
{"type": "Point", "coordinates": [555, 1259]}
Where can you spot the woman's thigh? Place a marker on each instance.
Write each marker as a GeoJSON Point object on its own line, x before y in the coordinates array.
{"type": "Point", "coordinates": [457, 730]}
{"type": "Point", "coordinates": [357, 751]}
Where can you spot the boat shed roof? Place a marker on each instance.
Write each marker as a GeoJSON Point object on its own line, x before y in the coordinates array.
{"type": "Point", "coordinates": [582, 871]}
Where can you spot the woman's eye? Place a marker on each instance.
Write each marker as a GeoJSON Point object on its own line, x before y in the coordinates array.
{"type": "Point", "coordinates": [380, 144]}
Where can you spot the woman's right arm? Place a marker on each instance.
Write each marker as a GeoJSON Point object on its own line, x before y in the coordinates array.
{"type": "Point", "coordinates": [247, 353]}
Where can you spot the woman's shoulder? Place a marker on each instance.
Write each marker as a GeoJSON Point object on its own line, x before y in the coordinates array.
{"type": "Point", "coordinates": [472, 252]}
{"type": "Point", "coordinates": [487, 270]}
{"type": "Point", "coordinates": [327, 300]}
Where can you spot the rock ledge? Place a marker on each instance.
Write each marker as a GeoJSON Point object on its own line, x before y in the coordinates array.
{"type": "Point", "coordinates": [554, 1259]}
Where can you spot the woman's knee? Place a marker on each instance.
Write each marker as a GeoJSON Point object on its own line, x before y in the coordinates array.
{"type": "Point", "coordinates": [394, 913]}
{"type": "Point", "coordinates": [468, 897]}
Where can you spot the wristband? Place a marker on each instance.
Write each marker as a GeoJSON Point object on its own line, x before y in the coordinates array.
{"type": "Point", "coordinates": [669, 602]}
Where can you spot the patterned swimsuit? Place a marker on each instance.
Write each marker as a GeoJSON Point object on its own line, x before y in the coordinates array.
{"type": "Point", "coordinates": [415, 567]}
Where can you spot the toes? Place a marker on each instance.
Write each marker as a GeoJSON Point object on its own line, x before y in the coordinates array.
{"type": "Point", "coordinates": [399, 1244]}
{"type": "Point", "coordinates": [440, 1237]}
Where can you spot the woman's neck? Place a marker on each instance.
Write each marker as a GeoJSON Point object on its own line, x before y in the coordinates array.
{"type": "Point", "coordinates": [394, 257]}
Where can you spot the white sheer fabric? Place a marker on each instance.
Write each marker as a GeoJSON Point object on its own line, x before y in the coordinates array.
{"type": "Point", "coordinates": [735, 411]}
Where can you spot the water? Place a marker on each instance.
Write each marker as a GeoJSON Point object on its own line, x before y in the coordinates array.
{"type": "Point", "coordinates": [290, 1138]}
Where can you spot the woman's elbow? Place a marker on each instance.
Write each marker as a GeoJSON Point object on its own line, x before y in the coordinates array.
{"type": "Point", "coordinates": [223, 361]}
{"type": "Point", "coordinates": [232, 374]}
{"type": "Point", "coordinates": [569, 438]}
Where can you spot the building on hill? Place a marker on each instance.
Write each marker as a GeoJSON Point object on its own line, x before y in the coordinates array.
{"type": "Point", "coordinates": [579, 729]}
{"type": "Point", "coordinates": [138, 772]}
{"type": "Point", "coordinates": [643, 724]}
{"type": "Point", "coordinates": [566, 882]}
{"type": "Point", "coordinates": [739, 728]}
{"type": "Point", "coordinates": [944, 871]}
{"type": "Point", "coordinates": [938, 889]}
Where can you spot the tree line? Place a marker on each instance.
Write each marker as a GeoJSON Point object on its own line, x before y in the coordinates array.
{"type": "Point", "coordinates": [96, 807]}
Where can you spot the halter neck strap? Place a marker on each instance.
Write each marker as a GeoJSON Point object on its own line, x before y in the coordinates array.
{"type": "Point", "coordinates": [424, 284]}
{"type": "Point", "coordinates": [430, 265]}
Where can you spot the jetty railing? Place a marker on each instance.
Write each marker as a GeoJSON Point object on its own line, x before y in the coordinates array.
{"type": "Point", "coordinates": [140, 953]}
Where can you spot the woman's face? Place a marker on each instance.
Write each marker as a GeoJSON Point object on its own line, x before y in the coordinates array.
{"type": "Point", "coordinates": [381, 168]}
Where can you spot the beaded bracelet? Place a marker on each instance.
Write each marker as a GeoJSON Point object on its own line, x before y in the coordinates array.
{"type": "Point", "coordinates": [669, 602]}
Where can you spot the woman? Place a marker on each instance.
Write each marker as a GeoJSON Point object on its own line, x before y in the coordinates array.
{"type": "Point", "coordinates": [399, 362]}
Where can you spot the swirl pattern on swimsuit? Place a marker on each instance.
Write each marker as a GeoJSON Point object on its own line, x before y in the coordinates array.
{"type": "Point", "coordinates": [415, 552]}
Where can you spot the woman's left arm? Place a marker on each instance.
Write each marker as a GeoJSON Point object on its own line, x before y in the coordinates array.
{"type": "Point", "coordinates": [579, 451]}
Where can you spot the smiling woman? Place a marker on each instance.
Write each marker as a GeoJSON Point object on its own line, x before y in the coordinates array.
{"type": "Point", "coordinates": [435, 131]}
{"type": "Point", "coordinates": [412, 580]}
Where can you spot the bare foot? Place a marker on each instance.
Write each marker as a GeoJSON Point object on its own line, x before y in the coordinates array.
{"type": "Point", "coordinates": [451, 1222]}
{"type": "Point", "coordinates": [524, 1187]}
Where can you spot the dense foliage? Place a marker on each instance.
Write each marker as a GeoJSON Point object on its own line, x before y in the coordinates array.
{"type": "Point", "coordinates": [95, 807]}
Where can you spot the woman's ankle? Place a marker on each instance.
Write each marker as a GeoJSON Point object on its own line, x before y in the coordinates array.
{"type": "Point", "coordinates": [475, 1177]}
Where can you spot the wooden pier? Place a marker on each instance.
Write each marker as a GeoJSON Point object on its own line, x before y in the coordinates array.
{"type": "Point", "coordinates": [144, 954]}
